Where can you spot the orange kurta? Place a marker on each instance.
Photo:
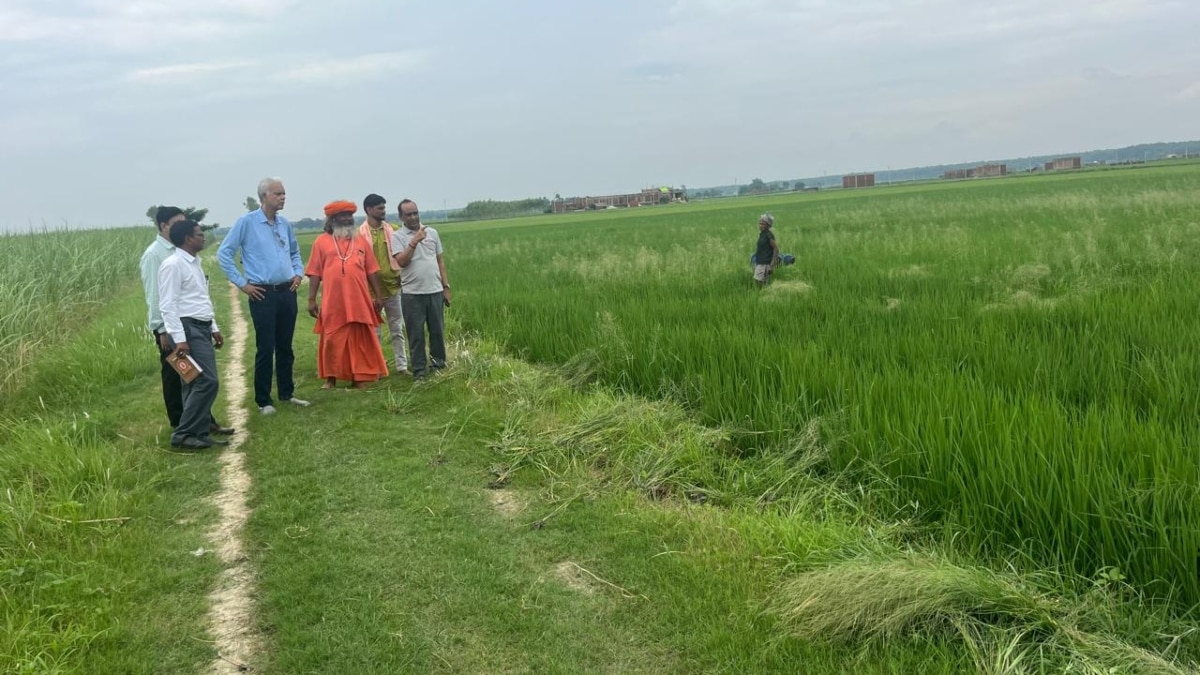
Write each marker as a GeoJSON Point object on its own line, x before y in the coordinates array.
{"type": "Point", "coordinates": [348, 348]}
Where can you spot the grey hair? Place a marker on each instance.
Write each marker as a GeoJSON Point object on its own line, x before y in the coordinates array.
{"type": "Point", "coordinates": [767, 218]}
{"type": "Point", "coordinates": [266, 183]}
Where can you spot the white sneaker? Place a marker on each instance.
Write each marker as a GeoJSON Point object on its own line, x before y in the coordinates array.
{"type": "Point", "coordinates": [267, 410]}
{"type": "Point", "coordinates": [298, 401]}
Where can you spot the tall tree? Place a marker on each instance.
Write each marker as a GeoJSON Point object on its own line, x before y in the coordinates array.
{"type": "Point", "coordinates": [195, 214]}
{"type": "Point", "coordinates": [251, 204]}
{"type": "Point", "coordinates": [191, 213]}
{"type": "Point", "coordinates": [756, 186]}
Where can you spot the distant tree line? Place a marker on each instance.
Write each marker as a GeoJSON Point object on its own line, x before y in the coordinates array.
{"type": "Point", "coordinates": [489, 208]}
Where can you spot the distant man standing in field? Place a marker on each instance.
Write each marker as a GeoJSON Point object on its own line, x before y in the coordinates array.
{"type": "Point", "coordinates": [379, 231]}
{"type": "Point", "coordinates": [424, 289]}
{"type": "Point", "coordinates": [342, 269]}
{"type": "Point", "coordinates": [190, 320]}
{"type": "Point", "coordinates": [152, 259]}
{"type": "Point", "coordinates": [273, 272]}
{"type": "Point", "coordinates": [766, 254]}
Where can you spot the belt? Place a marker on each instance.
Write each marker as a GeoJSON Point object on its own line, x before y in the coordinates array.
{"type": "Point", "coordinates": [274, 287]}
{"type": "Point", "coordinates": [196, 322]}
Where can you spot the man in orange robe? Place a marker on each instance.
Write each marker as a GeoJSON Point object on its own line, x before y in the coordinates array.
{"type": "Point", "coordinates": [342, 268]}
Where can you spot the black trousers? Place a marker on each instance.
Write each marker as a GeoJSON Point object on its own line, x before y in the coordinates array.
{"type": "Point", "coordinates": [172, 386]}
{"type": "Point", "coordinates": [274, 323]}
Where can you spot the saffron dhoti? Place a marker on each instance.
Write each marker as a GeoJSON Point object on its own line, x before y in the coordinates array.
{"type": "Point", "coordinates": [348, 348]}
{"type": "Point", "coordinates": [350, 352]}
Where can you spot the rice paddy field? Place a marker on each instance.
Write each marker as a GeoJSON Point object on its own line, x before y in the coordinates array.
{"type": "Point", "coordinates": [1018, 357]}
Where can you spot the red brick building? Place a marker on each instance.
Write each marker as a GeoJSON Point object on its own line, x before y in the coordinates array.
{"type": "Point", "coordinates": [981, 171]}
{"type": "Point", "coordinates": [858, 180]}
{"type": "Point", "coordinates": [1064, 163]}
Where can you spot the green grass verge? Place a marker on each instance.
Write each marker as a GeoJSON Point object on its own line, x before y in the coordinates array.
{"type": "Point", "coordinates": [99, 524]}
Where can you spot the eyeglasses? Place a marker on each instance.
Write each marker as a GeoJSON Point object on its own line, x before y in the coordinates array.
{"type": "Point", "coordinates": [278, 239]}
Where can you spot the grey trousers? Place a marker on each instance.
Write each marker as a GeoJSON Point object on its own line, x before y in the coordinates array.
{"type": "Point", "coordinates": [395, 324]}
{"type": "Point", "coordinates": [421, 311]}
{"type": "Point", "coordinates": [200, 394]}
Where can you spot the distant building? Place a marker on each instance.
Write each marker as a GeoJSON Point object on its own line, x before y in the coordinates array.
{"type": "Point", "coordinates": [662, 195]}
{"type": "Point", "coordinates": [981, 171]}
{"type": "Point", "coordinates": [656, 195]}
{"type": "Point", "coordinates": [858, 180]}
{"type": "Point", "coordinates": [1064, 163]}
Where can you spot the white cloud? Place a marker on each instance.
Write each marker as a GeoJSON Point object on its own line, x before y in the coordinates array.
{"type": "Point", "coordinates": [361, 67]}
{"type": "Point", "coordinates": [1189, 93]}
{"type": "Point", "coordinates": [740, 34]}
{"type": "Point", "coordinates": [244, 78]}
{"type": "Point", "coordinates": [131, 25]}
{"type": "Point", "coordinates": [185, 71]}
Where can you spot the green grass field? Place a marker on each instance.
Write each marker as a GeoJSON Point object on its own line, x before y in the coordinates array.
{"type": "Point", "coordinates": [956, 436]}
{"type": "Point", "coordinates": [1018, 355]}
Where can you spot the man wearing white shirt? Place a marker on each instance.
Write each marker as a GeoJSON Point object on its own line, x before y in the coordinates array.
{"type": "Point", "coordinates": [188, 316]}
{"type": "Point", "coordinates": [152, 259]}
{"type": "Point", "coordinates": [424, 289]}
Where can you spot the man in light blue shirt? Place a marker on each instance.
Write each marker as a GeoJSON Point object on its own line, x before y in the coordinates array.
{"type": "Point", "coordinates": [271, 272]}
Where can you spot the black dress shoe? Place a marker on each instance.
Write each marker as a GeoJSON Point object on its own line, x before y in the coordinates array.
{"type": "Point", "coordinates": [215, 441]}
{"type": "Point", "coordinates": [191, 444]}
{"type": "Point", "coordinates": [218, 430]}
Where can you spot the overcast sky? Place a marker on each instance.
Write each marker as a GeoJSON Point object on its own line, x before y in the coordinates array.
{"type": "Point", "coordinates": [109, 106]}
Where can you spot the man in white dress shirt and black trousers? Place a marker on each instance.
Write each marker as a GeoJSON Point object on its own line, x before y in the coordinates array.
{"type": "Point", "coordinates": [188, 316]}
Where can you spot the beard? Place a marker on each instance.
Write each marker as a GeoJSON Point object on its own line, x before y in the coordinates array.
{"type": "Point", "coordinates": [343, 231]}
